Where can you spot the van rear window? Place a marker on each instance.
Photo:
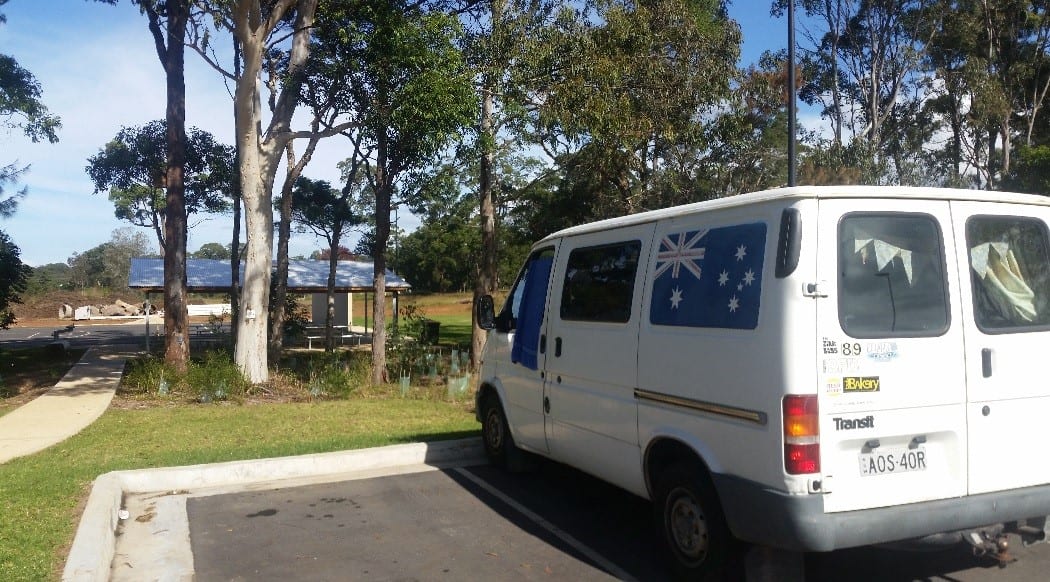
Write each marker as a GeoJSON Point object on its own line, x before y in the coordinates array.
{"type": "Point", "coordinates": [1010, 272]}
{"type": "Point", "coordinates": [891, 276]}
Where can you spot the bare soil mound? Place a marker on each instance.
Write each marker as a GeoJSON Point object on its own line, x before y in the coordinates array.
{"type": "Point", "coordinates": [43, 309]}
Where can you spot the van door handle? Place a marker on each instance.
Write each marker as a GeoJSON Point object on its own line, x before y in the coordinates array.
{"type": "Point", "coordinates": [543, 343]}
{"type": "Point", "coordinates": [986, 362]}
{"type": "Point", "coordinates": [557, 347]}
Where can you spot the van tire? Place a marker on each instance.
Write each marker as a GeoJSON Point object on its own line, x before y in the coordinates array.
{"type": "Point", "coordinates": [692, 527]}
{"type": "Point", "coordinates": [495, 432]}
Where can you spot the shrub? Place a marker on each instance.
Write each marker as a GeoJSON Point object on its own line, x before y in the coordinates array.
{"type": "Point", "coordinates": [215, 376]}
{"type": "Point", "coordinates": [212, 375]}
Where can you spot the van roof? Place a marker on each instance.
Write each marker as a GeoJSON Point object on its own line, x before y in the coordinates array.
{"type": "Point", "coordinates": [804, 192]}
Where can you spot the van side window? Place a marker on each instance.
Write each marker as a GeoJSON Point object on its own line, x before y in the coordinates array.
{"type": "Point", "coordinates": [1009, 271]}
{"type": "Point", "coordinates": [512, 308]}
{"type": "Point", "coordinates": [599, 283]}
{"type": "Point", "coordinates": [891, 276]}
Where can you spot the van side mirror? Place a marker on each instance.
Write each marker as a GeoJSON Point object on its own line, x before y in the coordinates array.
{"type": "Point", "coordinates": [486, 312]}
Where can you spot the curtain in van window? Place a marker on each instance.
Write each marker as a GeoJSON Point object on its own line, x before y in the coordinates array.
{"type": "Point", "coordinates": [525, 350]}
{"type": "Point", "coordinates": [1000, 274]}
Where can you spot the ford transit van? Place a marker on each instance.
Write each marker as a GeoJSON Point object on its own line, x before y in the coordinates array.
{"type": "Point", "coordinates": [808, 368]}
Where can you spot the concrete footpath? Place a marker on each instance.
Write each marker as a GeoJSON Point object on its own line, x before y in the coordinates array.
{"type": "Point", "coordinates": [79, 398]}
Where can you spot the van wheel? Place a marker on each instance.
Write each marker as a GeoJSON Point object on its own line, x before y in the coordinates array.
{"type": "Point", "coordinates": [494, 431]}
{"type": "Point", "coordinates": [691, 525]}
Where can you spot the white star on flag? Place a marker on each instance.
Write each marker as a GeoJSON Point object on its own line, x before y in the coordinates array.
{"type": "Point", "coordinates": [676, 297]}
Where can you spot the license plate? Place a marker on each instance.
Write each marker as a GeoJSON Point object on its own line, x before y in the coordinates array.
{"type": "Point", "coordinates": [892, 460]}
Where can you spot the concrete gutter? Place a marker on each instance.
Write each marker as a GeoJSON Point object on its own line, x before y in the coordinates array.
{"type": "Point", "coordinates": [91, 556]}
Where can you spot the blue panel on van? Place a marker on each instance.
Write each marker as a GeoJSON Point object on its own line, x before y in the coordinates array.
{"type": "Point", "coordinates": [710, 277]}
{"type": "Point", "coordinates": [530, 317]}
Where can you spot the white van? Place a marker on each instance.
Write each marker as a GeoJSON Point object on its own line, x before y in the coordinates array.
{"type": "Point", "coordinates": [808, 368]}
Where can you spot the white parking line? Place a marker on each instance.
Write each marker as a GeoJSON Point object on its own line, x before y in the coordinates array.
{"type": "Point", "coordinates": [590, 554]}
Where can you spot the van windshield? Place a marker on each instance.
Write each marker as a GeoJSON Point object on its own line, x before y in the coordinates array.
{"type": "Point", "coordinates": [891, 276]}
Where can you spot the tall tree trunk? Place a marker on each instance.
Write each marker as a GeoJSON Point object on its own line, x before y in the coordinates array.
{"type": "Point", "coordinates": [284, 234]}
{"type": "Point", "coordinates": [256, 185]}
{"type": "Point", "coordinates": [260, 154]}
{"type": "Point", "coordinates": [333, 265]}
{"type": "Point", "coordinates": [485, 283]}
{"type": "Point", "coordinates": [235, 267]}
{"type": "Point", "coordinates": [177, 347]}
{"type": "Point", "coordinates": [235, 242]}
{"type": "Point", "coordinates": [384, 193]}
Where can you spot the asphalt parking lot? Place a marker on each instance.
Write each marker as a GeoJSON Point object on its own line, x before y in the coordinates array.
{"type": "Point", "coordinates": [481, 523]}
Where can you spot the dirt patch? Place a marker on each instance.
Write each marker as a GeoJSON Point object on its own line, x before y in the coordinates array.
{"type": "Point", "coordinates": [45, 307]}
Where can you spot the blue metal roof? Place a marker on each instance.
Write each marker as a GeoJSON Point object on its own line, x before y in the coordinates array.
{"type": "Point", "coordinates": [306, 276]}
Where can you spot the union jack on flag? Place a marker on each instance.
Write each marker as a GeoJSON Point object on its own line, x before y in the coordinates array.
{"type": "Point", "coordinates": [725, 282]}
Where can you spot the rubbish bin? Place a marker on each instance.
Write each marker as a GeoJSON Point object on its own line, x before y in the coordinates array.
{"type": "Point", "coordinates": [429, 334]}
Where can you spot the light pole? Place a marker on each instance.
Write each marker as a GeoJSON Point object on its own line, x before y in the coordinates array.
{"type": "Point", "coordinates": [792, 160]}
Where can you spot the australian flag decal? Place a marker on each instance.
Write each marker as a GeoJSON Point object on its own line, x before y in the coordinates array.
{"type": "Point", "coordinates": [709, 278]}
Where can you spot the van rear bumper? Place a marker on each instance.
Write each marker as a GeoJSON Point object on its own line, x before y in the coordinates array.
{"type": "Point", "coordinates": [763, 516]}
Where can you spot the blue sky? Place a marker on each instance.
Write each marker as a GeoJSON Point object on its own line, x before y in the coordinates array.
{"type": "Point", "coordinates": [99, 72]}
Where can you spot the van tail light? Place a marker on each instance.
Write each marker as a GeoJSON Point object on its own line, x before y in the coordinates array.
{"type": "Point", "coordinates": [801, 434]}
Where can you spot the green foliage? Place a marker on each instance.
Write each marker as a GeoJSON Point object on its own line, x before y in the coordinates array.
{"type": "Point", "coordinates": [132, 167]}
{"type": "Point", "coordinates": [441, 254]}
{"type": "Point", "coordinates": [211, 376]}
{"type": "Point", "coordinates": [20, 105]}
{"type": "Point", "coordinates": [10, 174]}
{"type": "Point", "coordinates": [633, 85]}
{"type": "Point", "coordinates": [336, 375]}
{"type": "Point", "coordinates": [1031, 171]}
{"type": "Point", "coordinates": [13, 277]}
{"type": "Point", "coordinates": [108, 264]}
{"type": "Point", "coordinates": [213, 250]}
{"type": "Point", "coordinates": [48, 278]}
{"type": "Point", "coordinates": [407, 351]}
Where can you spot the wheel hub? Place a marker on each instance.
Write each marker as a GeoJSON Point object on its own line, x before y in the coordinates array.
{"type": "Point", "coordinates": [687, 526]}
{"type": "Point", "coordinates": [494, 430]}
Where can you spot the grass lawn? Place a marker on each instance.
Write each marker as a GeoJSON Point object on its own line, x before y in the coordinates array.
{"type": "Point", "coordinates": [41, 496]}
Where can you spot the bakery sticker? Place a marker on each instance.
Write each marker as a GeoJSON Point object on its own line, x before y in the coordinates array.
{"type": "Point", "coordinates": [860, 384]}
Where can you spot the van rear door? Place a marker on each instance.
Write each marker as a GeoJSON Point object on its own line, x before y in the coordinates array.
{"type": "Point", "coordinates": [1006, 319]}
{"type": "Point", "coordinates": [892, 387]}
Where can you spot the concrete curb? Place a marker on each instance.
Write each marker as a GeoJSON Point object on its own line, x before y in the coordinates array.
{"type": "Point", "coordinates": [91, 555]}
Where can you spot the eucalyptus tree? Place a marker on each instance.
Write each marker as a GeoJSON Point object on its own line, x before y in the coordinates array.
{"type": "Point", "coordinates": [167, 21]}
{"type": "Point", "coordinates": [14, 275]}
{"type": "Point", "coordinates": [504, 42]}
{"type": "Point", "coordinates": [991, 59]}
{"type": "Point", "coordinates": [863, 58]}
{"type": "Point", "coordinates": [411, 89]}
{"type": "Point", "coordinates": [630, 86]}
{"type": "Point", "coordinates": [132, 170]}
{"type": "Point", "coordinates": [320, 209]}
{"type": "Point", "coordinates": [20, 108]}
{"type": "Point", "coordinates": [264, 32]}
